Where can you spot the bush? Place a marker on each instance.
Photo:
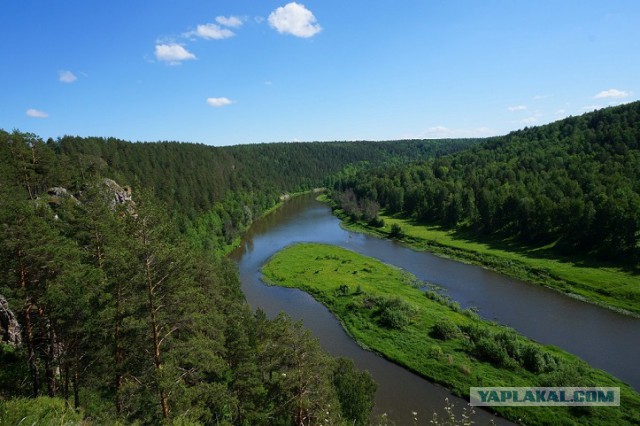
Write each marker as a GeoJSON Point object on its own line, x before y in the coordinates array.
{"type": "Point", "coordinates": [487, 349]}
{"type": "Point", "coordinates": [396, 231]}
{"type": "Point", "coordinates": [394, 318]}
{"type": "Point", "coordinates": [509, 340]}
{"type": "Point", "coordinates": [566, 375]}
{"type": "Point", "coordinates": [393, 313]}
{"type": "Point", "coordinates": [343, 290]}
{"type": "Point", "coordinates": [476, 331]}
{"type": "Point", "coordinates": [377, 222]}
{"type": "Point", "coordinates": [436, 352]}
{"type": "Point", "coordinates": [445, 329]}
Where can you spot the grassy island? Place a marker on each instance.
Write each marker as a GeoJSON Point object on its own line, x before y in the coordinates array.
{"type": "Point", "coordinates": [386, 310]}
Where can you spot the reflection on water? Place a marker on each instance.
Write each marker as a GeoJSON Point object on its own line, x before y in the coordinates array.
{"type": "Point", "coordinates": [605, 339]}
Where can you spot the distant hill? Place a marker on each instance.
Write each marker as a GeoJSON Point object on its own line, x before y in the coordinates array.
{"type": "Point", "coordinates": [214, 193]}
{"type": "Point", "coordinates": [574, 183]}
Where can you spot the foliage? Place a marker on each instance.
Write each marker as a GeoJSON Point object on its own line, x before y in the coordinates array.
{"type": "Point", "coordinates": [355, 390]}
{"type": "Point", "coordinates": [482, 354]}
{"type": "Point", "coordinates": [396, 231]}
{"type": "Point", "coordinates": [445, 329]}
{"type": "Point", "coordinates": [42, 410]}
{"type": "Point", "coordinates": [127, 322]}
{"type": "Point", "coordinates": [215, 193]}
{"type": "Point", "coordinates": [574, 182]}
{"type": "Point", "coordinates": [557, 205]}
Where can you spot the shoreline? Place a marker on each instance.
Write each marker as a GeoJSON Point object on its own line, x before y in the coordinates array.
{"type": "Point", "coordinates": [493, 261]}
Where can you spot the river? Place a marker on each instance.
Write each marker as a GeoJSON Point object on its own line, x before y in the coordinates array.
{"type": "Point", "coordinates": [605, 339]}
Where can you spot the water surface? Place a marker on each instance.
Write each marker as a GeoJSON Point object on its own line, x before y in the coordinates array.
{"type": "Point", "coordinates": [604, 338]}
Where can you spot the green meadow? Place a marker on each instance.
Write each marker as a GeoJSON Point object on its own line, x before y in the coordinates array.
{"type": "Point", "coordinates": [601, 283]}
{"type": "Point", "coordinates": [388, 311]}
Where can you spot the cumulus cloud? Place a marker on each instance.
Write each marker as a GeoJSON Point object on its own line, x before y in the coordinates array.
{"type": "Point", "coordinates": [35, 113]}
{"type": "Point", "coordinates": [173, 53]}
{"type": "Point", "coordinates": [517, 108]}
{"type": "Point", "coordinates": [219, 102]}
{"type": "Point", "coordinates": [612, 93]}
{"type": "Point", "coordinates": [211, 32]}
{"type": "Point", "coordinates": [67, 77]}
{"type": "Point", "coordinates": [229, 21]}
{"type": "Point", "coordinates": [294, 19]}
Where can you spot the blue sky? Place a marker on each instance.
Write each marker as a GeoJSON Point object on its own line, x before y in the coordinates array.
{"type": "Point", "coordinates": [241, 71]}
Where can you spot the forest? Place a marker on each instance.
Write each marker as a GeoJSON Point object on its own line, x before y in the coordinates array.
{"type": "Point", "coordinates": [573, 184]}
{"type": "Point", "coordinates": [214, 193]}
{"type": "Point", "coordinates": [116, 302]}
{"type": "Point", "coordinates": [110, 309]}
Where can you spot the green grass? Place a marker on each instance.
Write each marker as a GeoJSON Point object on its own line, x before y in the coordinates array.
{"type": "Point", "coordinates": [600, 283]}
{"type": "Point", "coordinates": [355, 288]}
{"type": "Point", "coordinates": [38, 411]}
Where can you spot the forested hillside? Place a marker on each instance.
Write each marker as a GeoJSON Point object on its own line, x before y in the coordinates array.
{"type": "Point", "coordinates": [573, 184]}
{"type": "Point", "coordinates": [215, 193]}
{"type": "Point", "coordinates": [125, 321]}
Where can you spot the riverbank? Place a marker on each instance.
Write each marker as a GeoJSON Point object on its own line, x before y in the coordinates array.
{"type": "Point", "coordinates": [381, 307]}
{"type": "Point", "coordinates": [602, 284]}
{"type": "Point", "coordinates": [228, 248]}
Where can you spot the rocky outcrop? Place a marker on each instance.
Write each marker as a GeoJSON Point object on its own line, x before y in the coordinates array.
{"type": "Point", "coordinates": [58, 193]}
{"type": "Point", "coordinates": [121, 195]}
{"type": "Point", "coordinates": [10, 332]}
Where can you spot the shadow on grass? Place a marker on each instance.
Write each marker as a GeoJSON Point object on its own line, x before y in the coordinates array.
{"type": "Point", "coordinates": [547, 251]}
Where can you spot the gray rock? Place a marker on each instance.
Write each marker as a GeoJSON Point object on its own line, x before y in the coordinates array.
{"type": "Point", "coordinates": [10, 332]}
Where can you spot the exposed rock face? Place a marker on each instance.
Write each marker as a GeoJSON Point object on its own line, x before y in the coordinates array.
{"type": "Point", "coordinates": [10, 332]}
{"type": "Point", "coordinates": [57, 194]}
{"type": "Point", "coordinates": [121, 195]}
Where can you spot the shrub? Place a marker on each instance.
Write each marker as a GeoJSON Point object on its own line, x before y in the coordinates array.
{"type": "Point", "coordinates": [377, 222]}
{"type": "Point", "coordinates": [343, 290]}
{"type": "Point", "coordinates": [393, 313]}
{"type": "Point", "coordinates": [487, 349]}
{"type": "Point", "coordinates": [396, 231]}
{"type": "Point", "coordinates": [394, 318]}
{"type": "Point", "coordinates": [477, 331]}
{"type": "Point", "coordinates": [445, 329]}
{"type": "Point", "coordinates": [532, 359]}
{"type": "Point", "coordinates": [436, 352]}
{"type": "Point", "coordinates": [566, 375]}
{"type": "Point", "coordinates": [509, 340]}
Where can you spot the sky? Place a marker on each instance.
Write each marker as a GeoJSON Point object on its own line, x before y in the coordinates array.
{"type": "Point", "coordinates": [224, 72]}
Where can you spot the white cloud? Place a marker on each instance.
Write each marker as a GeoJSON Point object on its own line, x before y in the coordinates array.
{"type": "Point", "coordinates": [517, 108]}
{"type": "Point", "coordinates": [67, 77]}
{"type": "Point", "coordinates": [612, 93]}
{"type": "Point", "coordinates": [442, 132]}
{"type": "Point", "coordinates": [294, 19]}
{"type": "Point", "coordinates": [230, 21]}
{"type": "Point", "coordinates": [211, 32]}
{"type": "Point", "coordinates": [529, 120]}
{"type": "Point", "coordinates": [219, 102]}
{"type": "Point", "coordinates": [173, 53]}
{"type": "Point", "coordinates": [34, 113]}
{"type": "Point", "coordinates": [561, 111]}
